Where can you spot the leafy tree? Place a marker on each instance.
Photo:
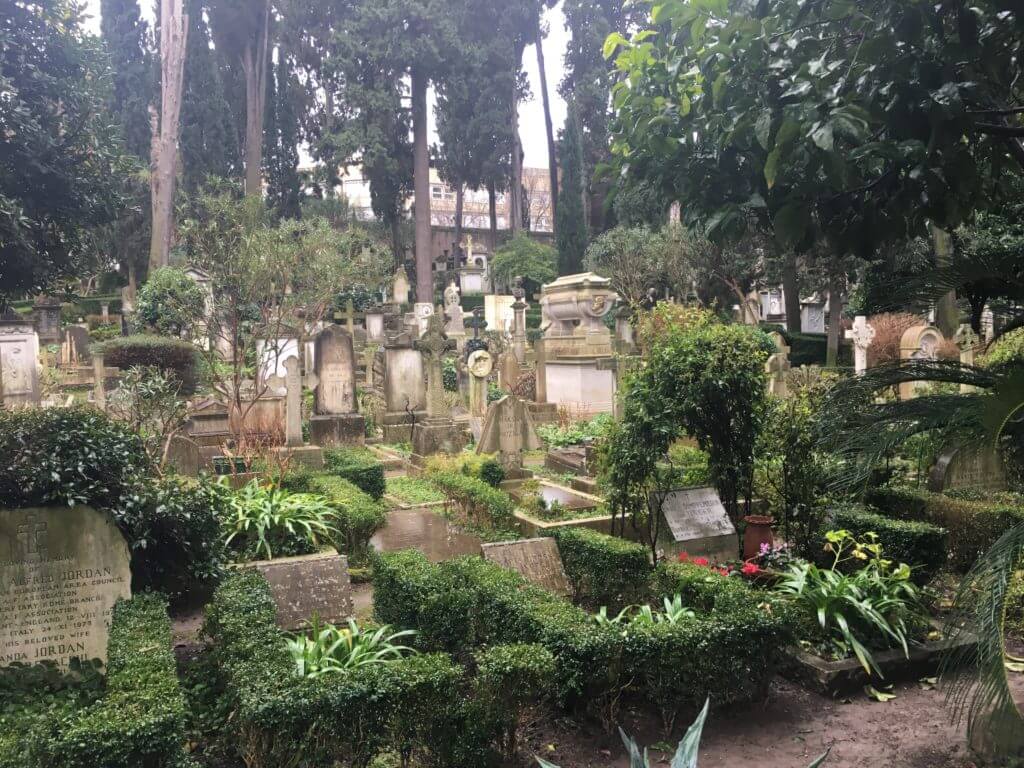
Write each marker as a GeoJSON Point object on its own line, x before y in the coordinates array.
{"type": "Point", "coordinates": [571, 227]}
{"type": "Point", "coordinates": [639, 203]}
{"type": "Point", "coordinates": [126, 37]}
{"type": "Point", "coordinates": [281, 139]}
{"type": "Point", "coordinates": [170, 301]}
{"type": "Point", "coordinates": [853, 124]}
{"type": "Point", "coordinates": [633, 258]}
{"type": "Point", "coordinates": [63, 161]}
{"type": "Point", "coordinates": [524, 257]}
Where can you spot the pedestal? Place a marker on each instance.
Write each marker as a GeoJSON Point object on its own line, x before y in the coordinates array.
{"type": "Point", "coordinates": [337, 429]}
{"type": "Point", "coordinates": [434, 435]}
{"type": "Point", "coordinates": [308, 455]}
{"type": "Point", "coordinates": [398, 425]}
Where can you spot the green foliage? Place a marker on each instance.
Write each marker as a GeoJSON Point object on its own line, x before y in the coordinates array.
{"type": "Point", "coordinates": [1007, 349]}
{"type": "Point", "coordinates": [635, 259]}
{"type": "Point", "coordinates": [63, 161]}
{"type": "Point", "coordinates": [820, 160]}
{"type": "Point", "coordinates": [140, 718]}
{"type": "Point", "coordinates": [171, 302]}
{"type": "Point", "coordinates": [281, 137]}
{"type": "Point", "coordinates": [264, 522]}
{"type": "Point", "coordinates": [574, 433]}
{"type": "Point", "coordinates": [356, 515]}
{"type": "Point", "coordinates": [125, 36]}
{"type": "Point", "coordinates": [524, 257]}
{"type": "Point", "coordinates": [174, 356]}
{"type": "Point", "coordinates": [413, 490]}
{"type": "Point", "coordinates": [509, 678]}
{"type": "Point", "coordinates": [570, 218]}
{"type": "Point", "coordinates": [604, 570]}
{"type": "Point", "coordinates": [278, 718]}
{"type": "Point", "coordinates": [330, 650]}
{"type": "Point", "coordinates": [147, 400]}
{"type": "Point", "coordinates": [973, 526]}
{"type": "Point", "coordinates": [492, 473]}
{"type": "Point", "coordinates": [874, 606]}
{"type": "Point", "coordinates": [920, 545]}
{"type": "Point", "coordinates": [688, 465]}
{"type": "Point", "coordinates": [475, 500]}
{"type": "Point", "coordinates": [358, 466]}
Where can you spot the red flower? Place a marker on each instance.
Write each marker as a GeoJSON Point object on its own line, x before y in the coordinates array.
{"type": "Point", "coordinates": [723, 571]}
{"type": "Point", "coordinates": [750, 569]}
{"type": "Point", "coordinates": [683, 557]}
{"type": "Point", "coordinates": [700, 561]}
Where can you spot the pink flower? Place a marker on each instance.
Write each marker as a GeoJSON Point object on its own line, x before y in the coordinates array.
{"type": "Point", "coordinates": [700, 561]}
{"type": "Point", "coordinates": [750, 569]}
{"type": "Point", "coordinates": [683, 557]}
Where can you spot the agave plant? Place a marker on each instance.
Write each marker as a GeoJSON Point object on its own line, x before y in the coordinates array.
{"type": "Point", "coordinates": [328, 649]}
{"type": "Point", "coordinates": [265, 516]}
{"type": "Point", "coordinates": [686, 752]}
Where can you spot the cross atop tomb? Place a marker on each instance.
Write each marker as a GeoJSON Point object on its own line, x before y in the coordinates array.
{"type": "Point", "coordinates": [862, 335]}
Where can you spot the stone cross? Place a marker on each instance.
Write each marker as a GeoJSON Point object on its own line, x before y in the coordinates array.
{"type": "Point", "coordinates": [477, 323]}
{"type": "Point", "coordinates": [862, 335]}
{"type": "Point", "coordinates": [350, 318]}
{"type": "Point", "coordinates": [967, 340]}
{"type": "Point", "coordinates": [432, 346]}
{"type": "Point", "coordinates": [292, 382]}
{"type": "Point", "coordinates": [508, 429]}
{"type": "Point", "coordinates": [453, 312]}
{"type": "Point", "coordinates": [777, 366]}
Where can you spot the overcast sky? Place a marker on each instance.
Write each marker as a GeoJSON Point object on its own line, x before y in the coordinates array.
{"type": "Point", "coordinates": [531, 113]}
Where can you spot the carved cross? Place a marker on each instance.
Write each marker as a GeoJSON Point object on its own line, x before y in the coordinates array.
{"type": "Point", "coordinates": [862, 335]}
{"type": "Point", "coordinates": [292, 382]}
{"type": "Point", "coordinates": [32, 535]}
{"type": "Point", "coordinates": [432, 345]}
{"type": "Point", "coordinates": [966, 338]}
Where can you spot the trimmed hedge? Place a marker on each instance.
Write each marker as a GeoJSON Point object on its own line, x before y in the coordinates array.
{"type": "Point", "coordinates": [919, 544]}
{"type": "Point", "coordinates": [604, 570]}
{"type": "Point", "coordinates": [358, 466]}
{"type": "Point", "coordinates": [474, 499]}
{"type": "Point", "coordinates": [169, 354]}
{"type": "Point", "coordinates": [359, 516]}
{"type": "Point", "coordinates": [140, 721]}
{"type": "Point", "coordinates": [279, 719]}
{"type": "Point", "coordinates": [973, 526]}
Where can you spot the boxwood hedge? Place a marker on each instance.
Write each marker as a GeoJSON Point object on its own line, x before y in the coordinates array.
{"type": "Point", "coordinates": [175, 356]}
{"type": "Point", "coordinates": [359, 467]}
{"type": "Point", "coordinates": [604, 570]}
{"type": "Point", "coordinates": [919, 544]}
{"type": "Point", "coordinates": [475, 500]}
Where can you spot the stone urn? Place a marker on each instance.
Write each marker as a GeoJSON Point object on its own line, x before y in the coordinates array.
{"type": "Point", "coordinates": [575, 305]}
{"type": "Point", "coordinates": [757, 532]}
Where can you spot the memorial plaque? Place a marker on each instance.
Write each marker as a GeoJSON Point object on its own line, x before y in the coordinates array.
{"type": "Point", "coordinates": [698, 524]}
{"type": "Point", "coordinates": [978, 467]}
{"type": "Point", "coordinates": [61, 571]}
{"type": "Point", "coordinates": [308, 584]}
{"type": "Point", "coordinates": [535, 559]}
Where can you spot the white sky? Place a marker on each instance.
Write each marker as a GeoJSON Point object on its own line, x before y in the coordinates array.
{"type": "Point", "coordinates": [531, 113]}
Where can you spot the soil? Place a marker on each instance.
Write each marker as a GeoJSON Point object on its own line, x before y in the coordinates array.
{"type": "Point", "coordinates": [788, 731]}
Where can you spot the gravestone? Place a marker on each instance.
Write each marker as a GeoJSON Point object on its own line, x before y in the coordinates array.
{"type": "Point", "coordinates": [777, 366]}
{"type": "Point", "coordinates": [508, 430]}
{"type": "Point", "coordinates": [19, 356]}
{"type": "Point", "coordinates": [375, 325]}
{"type": "Point", "coordinates": [74, 350]}
{"type": "Point", "coordinates": [400, 287]}
{"type": "Point", "coordinates": [293, 382]}
{"type": "Point", "coordinates": [498, 312]}
{"type": "Point", "coordinates": [519, 308]}
{"type": "Point", "coordinates": [61, 571]}
{"type": "Point", "coordinates": [184, 456]}
{"type": "Point", "coordinates": [478, 365]}
{"type": "Point", "coordinates": [455, 324]}
{"type": "Point", "coordinates": [437, 432]}
{"type": "Point", "coordinates": [308, 584]}
{"type": "Point", "coordinates": [695, 522]}
{"type": "Point", "coordinates": [862, 335]}
{"type": "Point", "coordinates": [537, 560]}
{"type": "Point", "coordinates": [967, 342]}
{"type": "Point", "coordinates": [919, 342]}
{"type": "Point", "coordinates": [405, 392]}
{"type": "Point", "coordinates": [508, 370]}
{"type": "Point", "coordinates": [336, 420]}
{"type": "Point", "coordinates": [968, 466]}
{"type": "Point", "coordinates": [46, 310]}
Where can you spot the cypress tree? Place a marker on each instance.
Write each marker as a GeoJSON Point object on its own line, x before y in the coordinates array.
{"type": "Point", "coordinates": [280, 141]}
{"type": "Point", "coordinates": [126, 38]}
{"type": "Point", "coordinates": [571, 226]}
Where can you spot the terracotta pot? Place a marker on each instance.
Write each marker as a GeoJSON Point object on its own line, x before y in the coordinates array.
{"type": "Point", "coordinates": [758, 532]}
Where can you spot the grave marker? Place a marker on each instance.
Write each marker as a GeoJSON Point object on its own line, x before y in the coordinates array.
{"type": "Point", "coordinates": [308, 584]}
{"type": "Point", "coordinates": [508, 429]}
{"type": "Point", "coordinates": [537, 560]}
{"type": "Point", "coordinates": [967, 466]}
{"type": "Point", "coordinates": [698, 524]}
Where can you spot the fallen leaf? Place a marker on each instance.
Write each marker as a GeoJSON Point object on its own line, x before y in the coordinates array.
{"type": "Point", "coordinates": [1014, 666]}
{"type": "Point", "coordinates": [928, 683]}
{"type": "Point", "coordinates": [878, 695]}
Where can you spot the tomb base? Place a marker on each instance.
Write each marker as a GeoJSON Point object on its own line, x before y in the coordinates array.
{"type": "Point", "coordinates": [307, 455]}
{"type": "Point", "coordinates": [543, 413]}
{"type": "Point", "coordinates": [338, 429]}
{"type": "Point", "coordinates": [436, 435]}
{"type": "Point", "coordinates": [579, 385]}
{"type": "Point", "coordinates": [397, 425]}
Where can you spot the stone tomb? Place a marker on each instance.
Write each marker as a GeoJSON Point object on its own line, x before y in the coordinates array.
{"type": "Point", "coordinates": [61, 571]}
{"type": "Point", "coordinates": [19, 360]}
{"type": "Point", "coordinates": [968, 466]}
{"type": "Point", "coordinates": [336, 419]}
{"type": "Point", "coordinates": [694, 521]}
{"type": "Point", "coordinates": [508, 429]}
{"type": "Point", "coordinates": [537, 560]}
{"type": "Point", "coordinates": [919, 342]}
{"type": "Point", "coordinates": [308, 584]}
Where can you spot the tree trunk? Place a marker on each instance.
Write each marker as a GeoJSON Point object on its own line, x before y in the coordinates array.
{"type": "Point", "coordinates": [835, 317]}
{"type": "Point", "coordinates": [552, 157]}
{"type": "Point", "coordinates": [254, 67]}
{"type": "Point", "coordinates": [459, 200]}
{"type": "Point", "coordinates": [515, 197]}
{"type": "Point", "coordinates": [165, 127]}
{"type": "Point", "coordinates": [791, 292]}
{"type": "Point", "coordinates": [492, 210]}
{"type": "Point", "coordinates": [421, 189]}
{"type": "Point", "coordinates": [947, 316]}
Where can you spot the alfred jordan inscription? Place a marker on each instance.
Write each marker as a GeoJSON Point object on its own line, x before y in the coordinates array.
{"type": "Point", "coordinates": [61, 571]}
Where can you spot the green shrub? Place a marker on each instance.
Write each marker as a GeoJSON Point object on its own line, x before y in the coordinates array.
{"type": "Point", "coordinates": [168, 354]}
{"type": "Point", "coordinates": [474, 500]}
{"type": "Point", "coordinates": [358, 515]}
{"type": "Point", "coordinates": [358, 466]}
{"type": "Point", "coordinates": [973, 526]}
{"type": "Point", "coordinates": [556, 436]}
{"type": "Point", "coordinates": [170, 301]}
{"type": "Point", "coordinates": [140, 721]}
{"type": "Point", "coordinates": [918, 544]}
{"type": "Point", "coordinates": [278, 718]}
{"type": "Point", "coordinates": [604, 570]}
{"type": "Point", "coordinates": [492, 473]}
{"type": "Point", "coordinates": [262, 522]}
{"type": "Point", "coordinates": [509, 678]}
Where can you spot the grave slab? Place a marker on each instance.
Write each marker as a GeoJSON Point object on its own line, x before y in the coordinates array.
{"type": "Point", "coordinates": [695, 522]}
{"type": "Point", "coordinates": [537, 560]}
{"type": "Point", "coordinates": [308, 584]}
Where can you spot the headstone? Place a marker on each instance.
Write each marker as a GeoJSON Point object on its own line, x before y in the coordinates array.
{"type": "Point", "coordinates": [537, 560]}
{"type": "Point", "coordinates": [292, 382]}
{"type": "Point", "coordinates": [400, 287]}
{"type": "Point", "coordinates": [919, 342]}
{"type": "Point", "coordinates": [777, 366]}
{"type": "Point", "coordinates": [508, 430]}
{"type": "Point", "coordinates": [479, 364]}
{"type": "Point", "coordinates": [697, 524]}
{"type": "Point", "coordinates": [336, 419]}
{"type": "Point", "coordinates": [967, 341]}
{"type": "Point", "coordinates": [308, 584]}
{"type": "Point", "coordinates": [74, 350]}
{"type": "Point", "coordinates": [19, 355]}
{"type": "Point", "coordinates": [968, 466]}
{"type": "Point", "coordinates": [508, 370]}
{"type": "Point", "coordinates": [184, 456]}
{"type": "Point", "coordinates": [519, 308]}
{"type": "Point", "coordinates": [437, 432]}
{"type": "Point", "coordinates": [498, 312]}
{"type": "Point", "coordinates": [862, 335]}
{"type": "Point", "coordinates": [454, 324]}
{"type": "Point", "coordinates": [105, 311]}
{"type": "Point", "coordinates": [405, 393]}
{"type": "Point", "coordinates": [374, 325]}
{"type": "Point", "coordinates": [61, 571]}
{"type": "Point", "coordinates": [812, 316]}
{"type": "Point", "coordinates": [47, 316]}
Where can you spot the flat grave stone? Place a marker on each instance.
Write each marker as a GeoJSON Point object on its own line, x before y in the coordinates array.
{"type": "Point", "coordinates": [537, 560]}
{"type": "Point", "coordinates": [967, 466]}
{"type": "Point", "coordinates": [698, 524]}
{"type": "Point", "coordinates": [61, 571]}
{"type": "Point", "coordinates": [308, 584]}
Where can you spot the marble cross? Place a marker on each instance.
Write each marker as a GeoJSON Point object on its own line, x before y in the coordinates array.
{"type": "Point", "coordinates": [862, 335]}
{"type": "Point", "coordinates": [292, 382]}
{"type": "Point", "coordinates": [432, 345]}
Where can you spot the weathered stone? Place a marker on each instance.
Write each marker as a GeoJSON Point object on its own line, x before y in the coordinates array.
{"type": "Point", "coordinates": [405, 393]}
{"type": "Point", "coordinates": [537, 560]}
{"type": "Point", "coordinates": [19, 355]}
{"type": "Point", "coordinates": [306, 585]}
{"type": "Point", "coordinates": [919, 342]}
{"type": "Point", "coordinates": [183, 455]}
{"type": "Point", "coordinates": [978, 467]}
{"type": "Point", "coordinates": [61, 571]}
{"type": "Point", "coordinates": [698, 524]}
{"type": "Point", "coordinates": [336, 420]}
{"type": "Point", "coordinates": [508, 429]}
{"type": "Point", "coordinates": [862, 335]}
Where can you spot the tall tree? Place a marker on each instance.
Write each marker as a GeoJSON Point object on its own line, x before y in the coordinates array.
{"type": "Point", "coordinates": [571, 228]}
{"type": "Point", "coordinates": [241, 31]}
{"type": "Point", "coordinates": [281, 140]}
{"type": "Point", "coordinates": [548, 127]}
{"type": "Point", "coordinates": [62, 158]}
{"type": "Point", "coordinates": [209, 137]}
{"type": "Point", "coordinates": [165, 127]}
{"type": "Point", "coordinates": [127, 40]}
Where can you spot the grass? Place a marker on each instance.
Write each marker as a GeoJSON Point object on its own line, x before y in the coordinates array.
{"type": "Point", "coordinates": [412, 490]}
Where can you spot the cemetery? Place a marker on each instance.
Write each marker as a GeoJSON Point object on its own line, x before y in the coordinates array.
{"type": "Point", "coordinates": [334, 436]}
